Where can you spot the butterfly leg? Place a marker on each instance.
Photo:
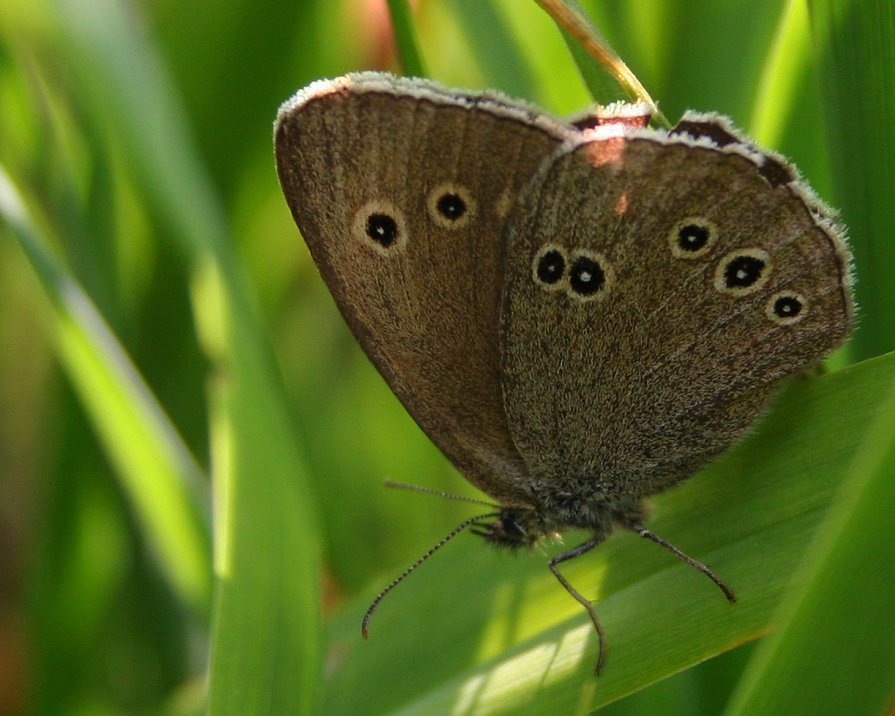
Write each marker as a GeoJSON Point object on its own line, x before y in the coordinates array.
{"type": "Point", "coordinates": [571, 554]}
{"type": "Point", "coordinates": [644, 532]}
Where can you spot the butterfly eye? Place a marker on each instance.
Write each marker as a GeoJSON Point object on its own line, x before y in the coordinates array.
{"type": "Point", "coordinates": [742, 272]}
{"type": "Point", "coordinates": [692, 237]}
{"type": "Point", "coordinates": [786, 308]}
{"type": "Point", "coordinates": [380, 225]}
{"type": "Point", "coordinates": [549, 267]}
{"type": "Point", "coordinates": [450, 206]}
{"type": "Point", "coordinates": [589, 275]}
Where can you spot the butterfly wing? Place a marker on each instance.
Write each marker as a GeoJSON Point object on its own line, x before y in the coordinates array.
{"type": "Point", "coordinates": [658, 286]}
{"type": "Point", "coordinates": [401, 190]}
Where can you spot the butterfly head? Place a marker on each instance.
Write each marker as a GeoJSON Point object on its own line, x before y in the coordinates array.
{"type": "Point", "coordinates": [514, 527]}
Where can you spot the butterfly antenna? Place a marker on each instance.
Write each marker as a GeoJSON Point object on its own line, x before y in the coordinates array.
{"type": "Point", "coordinates": [439, 493]}
{"type": "Point", "coordinates": [437, 546]}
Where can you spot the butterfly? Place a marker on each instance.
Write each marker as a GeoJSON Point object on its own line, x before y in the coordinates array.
{"type": "Point", "coordinates": [579, 315]}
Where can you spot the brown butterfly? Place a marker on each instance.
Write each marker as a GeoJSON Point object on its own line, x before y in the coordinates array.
{"type": "Point", "coordinates": [579, 316]}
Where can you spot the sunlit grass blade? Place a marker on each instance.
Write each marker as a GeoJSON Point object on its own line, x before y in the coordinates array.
{"type": "Point", "coordinates": [580, 32]}
{"type": "Point", "coordinates": [265, 633]}
{"type": "Point", "coordinates": [405, 38]}
{"type": "Point", "coordinates": [497, 51]}
{"type": "Point", "coordinates": [511, 641]}
{"type": "Point", "coordinates": [784, 67]}
{"type": "Point", "coordinates": [855, 40]}
{"type": "Point", "coordinates": [835, 653]}
{"type": "Point", "coordinates": [602, 87]}
{"type": "Point", "coordinates": [156, 470]}
{"type": "Point", "coordinates": [265, 655]}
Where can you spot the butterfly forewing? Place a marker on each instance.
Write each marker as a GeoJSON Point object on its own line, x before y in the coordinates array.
{"type": "Point", "coordinates": [401, 190]}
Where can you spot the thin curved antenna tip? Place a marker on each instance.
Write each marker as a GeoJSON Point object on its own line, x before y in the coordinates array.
{"type": "Point", "coordinates": [368, 615]}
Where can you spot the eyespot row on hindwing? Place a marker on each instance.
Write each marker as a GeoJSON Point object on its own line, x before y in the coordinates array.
{"type": "Point", "coordinates": [586, 275]}
{"type": "Point", "coordinates": [738, 273]}
{"type": "Point", "coordinates": [381, 225]}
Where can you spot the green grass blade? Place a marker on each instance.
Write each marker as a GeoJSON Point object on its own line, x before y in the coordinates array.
{"type": "Point", "coordinates": [856, 44]}
{"type": "Point", "coordinates": [601, 85]}
{"type": "Point", "coordinates": [784, 67]}
{"type": "Point", "coordinates": [265, 650]}
{"type": "Point", "coordinates": [157, 472]}
{"type": "Point", "coordinates": [497, 51]}
{"type": "Point", "coordinates": [836, 652]}
{"type": "Point", "coordinates": [509, 640]}
{"type": "Point", "coordinates": [405, 38]}
{"type": "Point", "coordinates": [599, 64]}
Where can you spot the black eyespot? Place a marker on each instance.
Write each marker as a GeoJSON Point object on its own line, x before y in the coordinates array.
{"type": "Point", "coordinates": [787, 307]}
{"type": "Point", "coordinates": [379, 225]}
{"type": "Point", "coordinates": [383, 229]}
{"type": "Point", "coordinates": [451, 206]}
{"type": "Point", "coordinates": [586, 277]}
{"type": "Point", "coordinates": [743, 271]}
{"type": "Point", "coordinates": [551, 266]}
{"type": "Point", "coordinates": [692, 237]}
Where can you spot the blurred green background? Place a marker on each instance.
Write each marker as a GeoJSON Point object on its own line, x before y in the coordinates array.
{"type": "Point", "coordinates": [170, 360]}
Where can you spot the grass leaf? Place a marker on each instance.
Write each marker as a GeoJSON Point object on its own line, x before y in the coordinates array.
{"type": "Point", "coordinates": [856, 47]}
{"type": "Point", "coordinates": [265, 628]}
{"type": "Point", "coordinates": [157, 472]}
{"type": "Point", "coordinates": [844, 599]}
{"type": "Point", "coordinates": [510, 640]}
{"type": "Point", "coordinates": [405, 38]}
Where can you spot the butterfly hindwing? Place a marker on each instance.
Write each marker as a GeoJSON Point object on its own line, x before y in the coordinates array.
{"type": "Point", "coordinates": [658, 286]}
